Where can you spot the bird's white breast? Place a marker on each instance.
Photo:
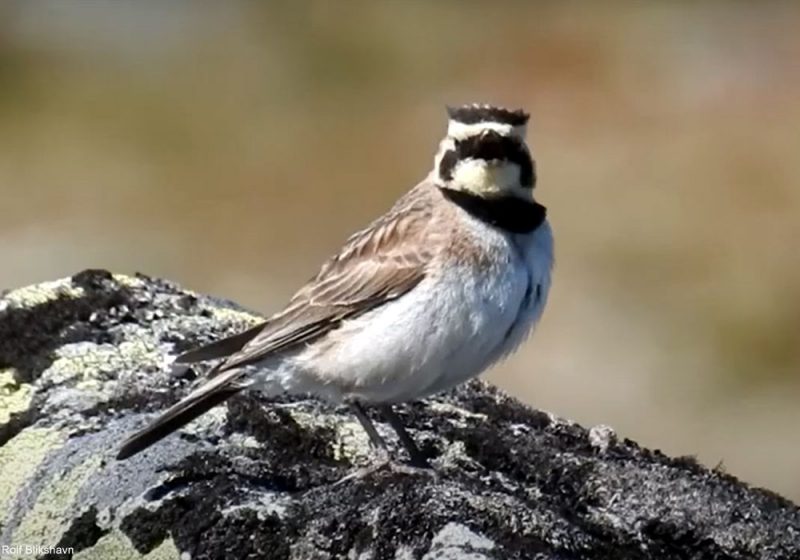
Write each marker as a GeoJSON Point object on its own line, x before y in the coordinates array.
{"type": "Point", "coordinates": [459, 320]}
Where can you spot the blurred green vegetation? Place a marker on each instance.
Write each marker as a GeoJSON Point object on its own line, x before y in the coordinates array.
{"type": "Point", "coordinates": [232, 146]}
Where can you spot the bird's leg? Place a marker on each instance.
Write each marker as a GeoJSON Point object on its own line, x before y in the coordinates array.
{"type": "Point", "coordinates": [374, 437]}
{"type": "Point", "coordinates": [417, 458]}
{"type": "Point", "coordinates": [384, 459]}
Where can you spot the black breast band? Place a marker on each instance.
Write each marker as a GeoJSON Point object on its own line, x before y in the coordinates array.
{"type": "Point", "coordinates": [507, 213]}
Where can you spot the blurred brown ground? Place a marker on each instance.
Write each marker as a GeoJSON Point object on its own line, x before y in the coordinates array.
{"type": "Point", "coordinates": [232, 146]}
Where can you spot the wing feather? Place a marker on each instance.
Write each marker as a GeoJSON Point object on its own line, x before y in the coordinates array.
{"type": "Point", "coordinates": [220, 348]}
{"type": "Point", "coordinates": [376, 265]}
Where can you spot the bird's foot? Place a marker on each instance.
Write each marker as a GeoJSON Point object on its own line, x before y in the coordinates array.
{"type": "Point", "coordinates": [384, 462]}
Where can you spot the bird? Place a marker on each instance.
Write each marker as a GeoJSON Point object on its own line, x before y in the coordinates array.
{"type": "Point", "coordinates": [449, 281]}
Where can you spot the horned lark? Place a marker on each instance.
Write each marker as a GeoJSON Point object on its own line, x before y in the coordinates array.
{"type": "Point", "coordinates": [447, 282]}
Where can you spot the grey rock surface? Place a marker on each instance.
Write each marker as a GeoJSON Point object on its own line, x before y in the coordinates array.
{"type": "Point", "coordinates": [86, 360]}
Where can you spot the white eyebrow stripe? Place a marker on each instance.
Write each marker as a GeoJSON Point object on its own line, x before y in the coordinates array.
{"type": "Point", "coordinates": [459, 130]}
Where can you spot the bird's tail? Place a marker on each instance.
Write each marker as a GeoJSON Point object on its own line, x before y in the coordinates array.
{"type": "Point", "coordinates": [196, 403]}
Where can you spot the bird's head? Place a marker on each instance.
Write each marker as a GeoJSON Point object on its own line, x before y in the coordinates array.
{"type": "Point", "coordinates": [484, 153]}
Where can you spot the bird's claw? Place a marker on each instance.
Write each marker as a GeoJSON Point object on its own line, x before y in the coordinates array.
{"type": "Point", "coordinates": [384, 462]}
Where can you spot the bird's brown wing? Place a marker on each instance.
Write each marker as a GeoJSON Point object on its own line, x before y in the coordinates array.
{"type": "Point", "coordinates": [376, 265]}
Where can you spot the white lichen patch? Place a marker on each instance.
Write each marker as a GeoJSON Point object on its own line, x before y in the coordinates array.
{"type": "Point", "coordinates": [558, 420]}
{"type": "Point", "coordinates": [235, 316]}
{"type": "Point", "coordinates": [307, 420]}
{"type": "Point", "coordinates": [351, 441]}
{"type": "Point", "coordinates": [455, 534]}
{"type": "Point", "coordinates": [210, 422]}
{"type": "Point", "coordinates": [455, 540]}
{"type": "Point", "coordinates": [245, 442]}
{"type": "Point", "coordinates": [31, 296]}
{"type": "Point", "coordinates": [455, 454]}
{"type": "Point", "coordinates": [601, 437]}
{"type": "Point", "coordinates": [519, 430]}
{"type": "Point", "coordinates": [354, 554]}
{"type": "Point", "coordinates": [129, 281]}
{"type": "Point", "coordinates": [14, 397]}
{"type": "Point", "coordinates": [461, 414]}
{"type": "Point", "coordinates": [404, 553]}
{"type": "Point", "coordinates": [264, 504]}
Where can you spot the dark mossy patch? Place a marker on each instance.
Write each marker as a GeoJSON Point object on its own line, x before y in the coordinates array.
{"type": "Point", "coordinates": [197, 524]}
{"type": "Point", "coordinates": [18, 421]}
{"type": "Point", "coordinates": [147, 529]}
{"type": "Point", "coordinates": [30, 335]}
{"type": "Point", "coordinates": [244, 534]}
{"type": "Point", "coordinates": [254, 416]}
{"type": "Point", "coordinates": [82, 533]}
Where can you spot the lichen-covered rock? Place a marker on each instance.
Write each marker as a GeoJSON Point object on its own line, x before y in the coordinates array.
{"type": "Point", "coordinates": [86, 360]}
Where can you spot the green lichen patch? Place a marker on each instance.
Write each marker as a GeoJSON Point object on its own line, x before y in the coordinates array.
{"type": "Point", "coordinates": [14, 397]}
{"type": "Point", "coordinates": [19, 459]}
{"type": "Point", "coordinates": [236, 316]}
{"type": "Point", "coordinates": [49, 517]}
{"type": "Point", "coordinates": [38, 294]}
{"type": "Point", "coordinates": [350, 443]}
{"type": "Point", "coordinates": [116, 546]}
{"type": "Point", "coordinates": [129, 281]}
{"type": "Point", "coordinates": [87, 364]}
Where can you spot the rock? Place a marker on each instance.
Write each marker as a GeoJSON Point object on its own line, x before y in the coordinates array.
{"type": "Point", "coordinates": [86, 360]}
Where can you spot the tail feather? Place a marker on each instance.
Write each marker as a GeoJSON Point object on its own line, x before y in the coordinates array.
{"type": "Point", "coordinates": [196, 403]}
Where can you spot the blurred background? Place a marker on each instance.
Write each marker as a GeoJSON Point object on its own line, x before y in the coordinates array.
{"type": "Point", "coordinates": [232, 146]}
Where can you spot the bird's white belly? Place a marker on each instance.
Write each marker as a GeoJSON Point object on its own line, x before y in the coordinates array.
{"type": "Point", "coordinates": [452, 326]}
{"type": "Point", "coordinates": [442, 328]}
{"type": "Point", "coordinates": [449, 328]}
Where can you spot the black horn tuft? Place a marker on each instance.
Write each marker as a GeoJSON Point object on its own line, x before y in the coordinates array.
{"type": "Point", "coordinates": [475, 113]}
